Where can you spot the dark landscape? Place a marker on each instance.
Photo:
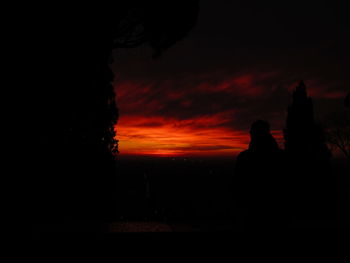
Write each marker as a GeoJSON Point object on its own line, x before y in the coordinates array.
{"type": "Point", "coordinates": [181, 116]}
{"type": "Point", "coordinates": [196, 194]}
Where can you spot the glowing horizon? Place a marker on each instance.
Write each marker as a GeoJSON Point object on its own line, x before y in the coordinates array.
{"type": "Point", "coordinates": [201, 115]}
{"type": "Point", "coordinates": [168, 137]}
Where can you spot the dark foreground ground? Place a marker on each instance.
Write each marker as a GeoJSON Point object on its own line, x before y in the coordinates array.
{"type": "Point", "coordinates": [194, 195]}
{"type": "Point", "coordinates": [173, 189]}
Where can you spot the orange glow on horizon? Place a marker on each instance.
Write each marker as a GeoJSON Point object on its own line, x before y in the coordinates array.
{"type": "Point", "coordinates": [194, 116]}
{"type": "Point", "coordinates": [161, 137]}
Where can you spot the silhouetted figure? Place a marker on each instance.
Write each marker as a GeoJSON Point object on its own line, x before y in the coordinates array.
{"type": "Point", "coordinates": [260, 181]}
{"type": "Point", "coordinates": [309, 159]}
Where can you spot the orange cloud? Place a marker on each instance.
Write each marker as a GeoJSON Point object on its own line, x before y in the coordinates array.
{"type": "Point", "coordinates": [170, 137]}
{"type": "Point", "coordinates": [138, 136]}
{"type": "Point", "coordinates": [198, 115]}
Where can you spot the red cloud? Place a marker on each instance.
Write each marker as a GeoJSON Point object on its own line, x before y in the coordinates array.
{"type": "Point", "coordinates": [174, 137]}
{"type": "Point", "coordinates": [167, 136]}
{"type": "Point", "coordinates": [201, 115]}
{"type": "Point", "coordinates": [244, 85]}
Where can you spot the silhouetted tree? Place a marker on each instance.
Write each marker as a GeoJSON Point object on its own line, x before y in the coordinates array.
{"type": "Point", "coordinates": [338, 132]}
{"type": "Point", "coordinates": [309, 157]}
{"type": "Point", "coordinates": [303, 137]}
{"type": "Point", "coordinates": [260, 180]}
{"type": "Point", "coordinates": [72, 112]}
{"type": "Point", "coordinates": [159, 23]}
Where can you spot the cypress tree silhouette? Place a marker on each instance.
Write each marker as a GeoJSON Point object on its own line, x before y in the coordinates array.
{"type": "Point", "coordinates": [300, 121]}
{"type": "Point", "coordinates": [305, 145]}
{"type": "Point", "coordinates": [303, 137]}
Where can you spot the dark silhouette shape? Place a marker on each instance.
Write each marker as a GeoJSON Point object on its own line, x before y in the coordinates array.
{"type": "Point", "coordinates": [261, 138]}
{"type": "Point", "coordinates": [347, 101]}
{"type": "Point", "coordinates": [309, 159]}
{"type": "Point", "coordinates": [260, 181]}
{"type": "Point", "coordinates": [303, 137]}
{"type": "Point", "coordinates": [160, 24]}
{"type": "Point", "coordinates": [71, 114]}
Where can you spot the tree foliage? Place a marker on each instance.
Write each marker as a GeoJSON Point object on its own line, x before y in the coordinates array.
{"type": "Point", "coordinates": [71, 113]}
{"type": "Point", "coordinates": [159, 23]}
{"type": "Point", "coordinates": [338, 132]}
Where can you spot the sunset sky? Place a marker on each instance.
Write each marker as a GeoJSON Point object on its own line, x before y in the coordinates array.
{"type": "Point", "coordinates": [240, 63]}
